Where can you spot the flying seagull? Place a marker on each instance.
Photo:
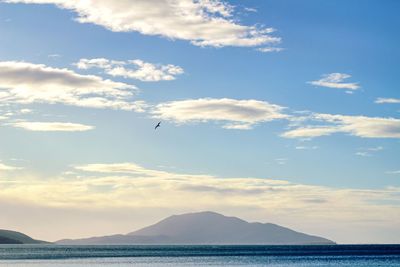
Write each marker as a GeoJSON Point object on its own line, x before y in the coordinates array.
{"type": "Point", "coordinates": [158, 125]}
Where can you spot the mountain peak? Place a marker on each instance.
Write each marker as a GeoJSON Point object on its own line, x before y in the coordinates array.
{"type": "Point", "coordinates": [201, 215]}
{"type": "Point", "coordinates": [188, 224]}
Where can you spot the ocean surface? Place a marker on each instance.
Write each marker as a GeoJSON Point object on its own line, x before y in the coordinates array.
{"type": "Point", "coordinates": [121, 256]}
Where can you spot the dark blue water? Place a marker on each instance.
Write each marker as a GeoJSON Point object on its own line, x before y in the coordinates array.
{"type": "Point", "coordinates": [77, 256]}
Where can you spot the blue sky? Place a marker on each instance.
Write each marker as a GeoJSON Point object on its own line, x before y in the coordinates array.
{"type": "Point", "coordinates": [320, 110]}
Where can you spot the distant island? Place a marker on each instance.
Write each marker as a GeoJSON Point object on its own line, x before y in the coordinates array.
{"type": "Point", "coordinates": [206, 228]}
{"type": "Point", "coordinates": [13, 237]}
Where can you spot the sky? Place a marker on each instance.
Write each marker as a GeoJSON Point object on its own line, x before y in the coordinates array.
{"type": "Point", "coordinates": [271, 111]}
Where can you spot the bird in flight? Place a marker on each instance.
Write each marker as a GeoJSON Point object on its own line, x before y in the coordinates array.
{"type": "Point", "coordinates": [158, 125]}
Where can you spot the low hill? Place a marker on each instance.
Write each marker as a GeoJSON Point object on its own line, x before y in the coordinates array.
{"type": "Point", "coordinates": [13, 237]}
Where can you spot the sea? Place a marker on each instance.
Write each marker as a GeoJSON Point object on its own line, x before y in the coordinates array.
{"type": "Point", "coordinates": [220, 255]}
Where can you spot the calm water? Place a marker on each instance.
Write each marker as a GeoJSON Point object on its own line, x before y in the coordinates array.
{"type": "Point", "coordinates": [120, 256]}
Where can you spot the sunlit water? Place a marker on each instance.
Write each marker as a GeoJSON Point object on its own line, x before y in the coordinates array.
{"type": "Point", "coordinates": [121, 256]}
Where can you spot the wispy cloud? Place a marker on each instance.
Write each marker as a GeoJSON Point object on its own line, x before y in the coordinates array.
{"type": "Point", "coordinates": [310, 131]}
{"type": "Point", "coordinates": [377, 148]}
{"type": "Point", "coordinates": [52, 126]}
{"type": "Point", "coordinates": [368, 151]}
{"type": "Point", "coordinates": [54, 56]}
{"type": "Point", "coordinates": [382, 100]}
{"type": "Point", "coordinates": [270, 49]}
{"type": "Point", "coordinates": [120, 168]}
{"type": "Point", "coordinates": [306, 147]}
{"type": "Point", "coordinates": [4, 167]}
{"type": "Point", "coordinates": [393, 172]}
{"type": "Point", "coordinates": [363, 154]}
{"type": "Point", "coordinates": [203, 22]}
{"type": "Point", "coordinates": [234, 114]}
{"type": "Point", "coordinates": [25, 83]}
{"type": "Point", "coordinates": [250, 9]}
{"type": "Point", "coordinates": [281, 161]}
{"type": "Point", "coordinates": [361, 126]}
{"type": "Point", "coordinates": [25, 111]}
{"type": "Point", "coordinates": [335, 80]}
{"type": "Point", "coordinates": [134, 69]}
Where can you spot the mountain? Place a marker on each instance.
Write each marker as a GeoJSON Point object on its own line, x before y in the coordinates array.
{"type": "Point", "coordinates": [12, 237]}
{"type": "Point", "coordinates": [207, 228]}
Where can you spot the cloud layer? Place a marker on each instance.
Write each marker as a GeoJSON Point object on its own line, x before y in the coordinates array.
{"type": "Point", "coordinates": [202, 22]}
{"type": "Point", "coordinates": [335, 80]}
{"type": "Point", "coordinates": [133, 69]}
{"type": "Point", "coordinates": [23, 82]}
{"type": "Point", "coordinates": [234, 114]}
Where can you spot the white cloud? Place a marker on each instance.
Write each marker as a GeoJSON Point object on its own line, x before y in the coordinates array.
{"type": "Point", "coordinates": [25, 83]}
{"type": "Point", "coordinates": [270, 49]}
{"type": "Point", "coordinates": [335, 80]}
{"type": "Point", "coordinates": [234, 114]}
{"type": "Point", "coordinates": [382, 100]}
{"type": "Point", "coordinates": [4, 167]}
{"type": "Point", "coordinates": [102, 63]}
{"type": "Point", "coordinates": [134, 69]}
{"type": "Point", "coordinates": [202, 22]}
{"type": "Point", "coordinates": [52, 126]}
{"type": "Point", "coordinates": [361, 126]}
